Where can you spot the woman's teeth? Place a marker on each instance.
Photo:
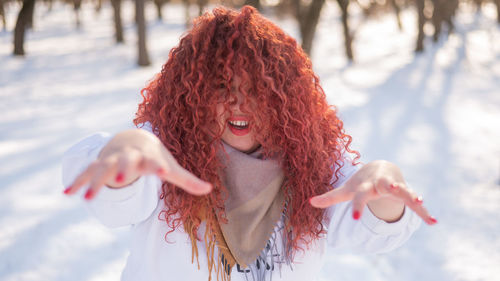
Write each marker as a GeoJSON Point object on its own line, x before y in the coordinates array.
{"type": "Point", "coordinates": [239, 127]}
{"type": "Point", "coordinates": [239, 123]}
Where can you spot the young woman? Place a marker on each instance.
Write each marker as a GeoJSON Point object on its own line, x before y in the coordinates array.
{"type": "Point", "coordinates": [241, 170]}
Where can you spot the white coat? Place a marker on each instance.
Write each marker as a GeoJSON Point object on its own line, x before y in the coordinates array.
{"type": "Point", "coordinates": [153, 259]}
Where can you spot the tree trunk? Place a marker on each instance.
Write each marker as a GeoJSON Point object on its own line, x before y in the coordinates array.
{"type": "Point", "coordinates": [497, 2]}
{"type": "Point", "coordinates": [308, 20]}
{"type": "Point", "coordinates": [159, 5]}
{"type": "Point", "coordinates": [141, 33]}
{"type": "Point", "coordinates": [201, 6]}
{"type": "Point", "coordinates": [421, 22]}
{"type": "Point", "coordinates": [437, 18]}
{"type": "Point", "coordinates": [254, 3]}
{"type": "Point", "coordinates": [397, 10]}
{"type": "Point", "coordinates": [117, 8]}
{"type": "Point", "coordinates": [186, 13]}
{"type": "Point", "coordinates": [76, 7]}
{"type": "Point", "coordinates": [98, 6]}
{"type": "Point", "coordinates": [49, 5]}
{"type": "Point", "coordinates": [451, 9]}
{"type": "Point", "coordinates": [478, 5]}
{"type": "Point", "coordinates": [23, 19]}
{"type": "Point", "coordinates": [31, 12]}
{"type": "Point", "coordinates": [2, 14]}
{"type": "Point", "coordinates": [444, 11]}
{"type": "Point", "coordinates": [298, 10]}
{"type": "Point", "coordinates": [344, 6]}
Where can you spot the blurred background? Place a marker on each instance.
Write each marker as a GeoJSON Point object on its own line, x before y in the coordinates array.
{"type": "Point", "coordinates": [417, 82]}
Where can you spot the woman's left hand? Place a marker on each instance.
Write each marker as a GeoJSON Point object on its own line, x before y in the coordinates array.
{"type": "Point", "coordinates": [381, 186]}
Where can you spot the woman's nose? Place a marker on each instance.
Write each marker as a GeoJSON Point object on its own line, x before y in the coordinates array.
{"type": "Point", "coordinates": [236, 99]}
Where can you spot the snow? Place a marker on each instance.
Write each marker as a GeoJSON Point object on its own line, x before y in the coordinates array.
{"type": "Point", "coordinates": [437, 115]}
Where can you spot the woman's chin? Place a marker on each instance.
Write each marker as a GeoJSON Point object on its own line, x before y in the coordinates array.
{"type": "Point", "coordinates": [251, 149]}
{"type": "Point", "coordinates": [244, 147]}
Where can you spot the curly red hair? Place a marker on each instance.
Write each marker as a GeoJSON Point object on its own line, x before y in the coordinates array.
{"type": "Point", "coordinates": [293, 117]}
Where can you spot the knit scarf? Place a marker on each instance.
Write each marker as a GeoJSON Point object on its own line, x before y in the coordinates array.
{"type": "Point", "coordinates": [254, 205]}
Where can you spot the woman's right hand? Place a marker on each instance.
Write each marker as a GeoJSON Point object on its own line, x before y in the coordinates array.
{"type": "Point", "coordinates": [129, 155]}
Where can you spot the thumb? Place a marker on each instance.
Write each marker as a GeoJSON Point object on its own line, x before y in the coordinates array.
{"type": "Point", "coordinates": [331, 197]}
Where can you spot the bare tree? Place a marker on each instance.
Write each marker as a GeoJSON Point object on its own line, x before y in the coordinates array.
{"type": "Point", "coordinates": [77, 4]}
{"type": "Point", "coordinates": [421, 22]}
{"type": "Point", "coordinates": [201, 6]}
{"type": "Point", "coordinates": [348, 37]}
{"type": "Point", "coordinates": [497, 2]}
{"type": "Point", "coordinates": [49, 4]}
{"type": "Point", "coordinates": [31, 14]}
{"type": "Point", "coordinates": [478, 3]}
{"type": "Point", "coordinates": [308, 16]}
{"type": "Point", "coordinates": [254, 3]}
{"type": "Point", "coordinates": [23, 22]}
{"type": "Point", "coordinates": [444, 11]}
{"type": "Point", "coordinates": [143, 59]}
{"type": "Point", "coordinates": [2, 15]}
{"type": "Point", "coordinates": [397, 10]}
{"type": "Point", "coordinates": [438, 14]}
{"type": "Point", "coordinates": [98, 6]}
{"type": "Point", "coordinates": [117, 8]}
{"type": "Point", "coordinates": [159, 5]}
{"type": "Point", "coordinates": [187, 17]}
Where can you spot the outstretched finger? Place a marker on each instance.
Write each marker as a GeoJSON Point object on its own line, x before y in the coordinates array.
{"type": "Point", "coordinates": [414, 202]}
{"type": "Point", "coordinates": [82, 179]}
{"type": "Point", "coordinates": [187, 181]}
{"type": "Point", "coordinates": [127, 167]}
{"type": "Point", "coordinates": [422, 212]}
{"type": "Point", "coordinates": [175, 174]}
{"type": "Point", "coordinates": [103, 174]}
{"type": "Point", "coordinates": [360, 199]}
{"type": "Point", "coordinates": [331, 197]}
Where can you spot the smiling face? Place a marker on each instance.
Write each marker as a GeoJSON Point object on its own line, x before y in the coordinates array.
{"type": "Point", "coordinates": [236, 121]}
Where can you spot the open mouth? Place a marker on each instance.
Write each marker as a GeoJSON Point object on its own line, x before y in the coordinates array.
{"type": "Point", "coordinates": [239, 127]}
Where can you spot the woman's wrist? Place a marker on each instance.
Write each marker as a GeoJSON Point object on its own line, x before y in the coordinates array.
{"type": "Point", "coordinates": [387, 209]}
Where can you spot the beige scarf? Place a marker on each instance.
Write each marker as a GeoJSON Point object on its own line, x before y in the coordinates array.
{"type": "Point", "coordinates": [254, 205]}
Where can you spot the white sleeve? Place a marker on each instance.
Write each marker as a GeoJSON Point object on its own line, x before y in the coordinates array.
{"type": "Point", "coordinates": [369, 234]}
{"type": "Point", "coordinates": [113, 207]}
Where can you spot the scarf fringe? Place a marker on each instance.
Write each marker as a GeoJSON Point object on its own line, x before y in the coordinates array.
{"type": "Point", "coordinates": [224, 263]}
{"type": "Point", "coordinates": [271, 257]}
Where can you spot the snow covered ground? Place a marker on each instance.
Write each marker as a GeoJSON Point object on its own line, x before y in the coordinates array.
{"type": "Point", "coordinates": [437, 115]}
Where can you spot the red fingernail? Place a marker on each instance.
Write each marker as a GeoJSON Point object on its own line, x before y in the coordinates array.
{"type": "Point", "coordinates": [356, 215]}
{"type": "Point", "coordinates": [120, 177]}
{"type": "Point", "coordinates": [433, 220]}
{"type": "Point", "coordinates": [67, 190]}
{"type": "Point", "coordinates": [89, 194]}
{"type": "Point", "coordinates": [394, 186]}
{"type": "Point", "coordinates": [419, 200]}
